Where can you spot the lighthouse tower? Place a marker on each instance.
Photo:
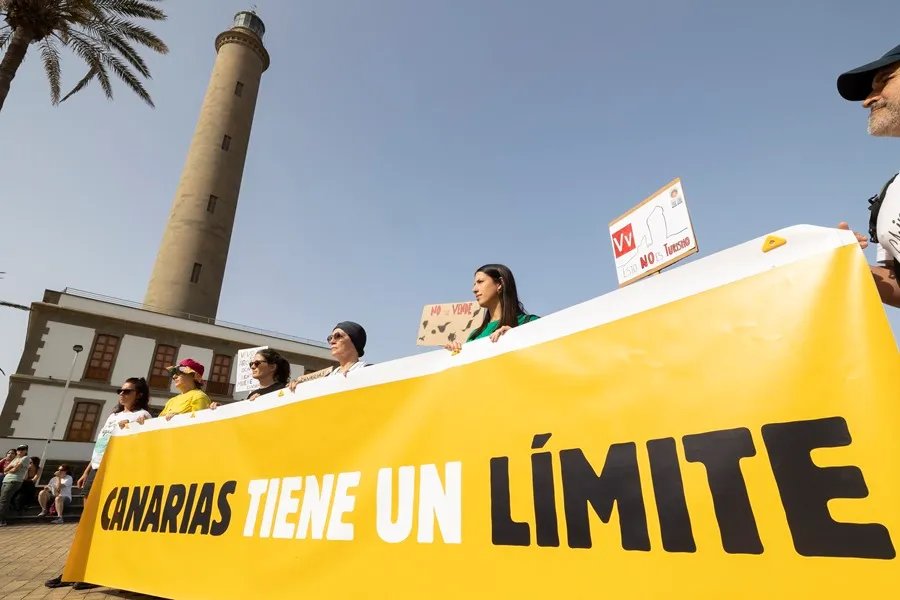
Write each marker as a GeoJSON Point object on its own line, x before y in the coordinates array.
{"type": "Point", "coordinates": [187, 276]}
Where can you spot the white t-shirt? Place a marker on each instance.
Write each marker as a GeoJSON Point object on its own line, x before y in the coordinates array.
{"type": "Point", "coordinates": [357, 365]}
{"type": "Point", "coordinates": [64, 490]}
{"type": "Point", "coordinates": [888, 225]}
{"type": "Point", "coordinates": [111, 423]}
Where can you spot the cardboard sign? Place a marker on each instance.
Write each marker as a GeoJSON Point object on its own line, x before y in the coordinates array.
{"type": "Point", "coordinates": [244, 381]}
{"type": "Point", "coordinates": [444, 323]}
{"type": "Point", "coordinates": [661, 442]}
{"type": "Point", "coordinates": [654, 234]}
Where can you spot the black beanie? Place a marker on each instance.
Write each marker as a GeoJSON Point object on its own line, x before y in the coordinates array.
{"type": "Point", "coordinates": [357, 334]}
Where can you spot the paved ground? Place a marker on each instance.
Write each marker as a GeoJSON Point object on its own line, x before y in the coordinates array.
{"type": "Point", "coordinates": [32, 554]}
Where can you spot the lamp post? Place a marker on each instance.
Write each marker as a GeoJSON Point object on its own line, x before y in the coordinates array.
{"type": "Point", "coordinates": [76, 349]}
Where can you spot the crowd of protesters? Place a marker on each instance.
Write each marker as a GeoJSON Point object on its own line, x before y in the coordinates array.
{"type": "Point", "coordinates": [876, 85]}
{"type": "Point", "coordinates": [494, 289]}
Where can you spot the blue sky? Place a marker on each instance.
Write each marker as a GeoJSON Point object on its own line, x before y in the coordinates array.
{"type": "Point", "coordinates": [399, 144]}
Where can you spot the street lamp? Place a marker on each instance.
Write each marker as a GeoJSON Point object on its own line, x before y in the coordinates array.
{"type": "Point", "coordinates": [76, 349]}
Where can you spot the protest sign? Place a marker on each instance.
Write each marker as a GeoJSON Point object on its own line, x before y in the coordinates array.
{"type": "Point", "coordinates": [444, 323]}
{"type": "Point", "coordinates": [244, 379]}
{"type": "Point", "coordinates": [653, 235]}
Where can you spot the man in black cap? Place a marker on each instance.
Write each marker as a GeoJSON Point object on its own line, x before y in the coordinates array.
{"type": "Point", "coordinates": [14, 474]}
{"type": "Point", "coordinates": [877, 86]}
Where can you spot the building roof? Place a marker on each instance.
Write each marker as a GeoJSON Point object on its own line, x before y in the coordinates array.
{"type": "Point", "coordinates": [85, 301]}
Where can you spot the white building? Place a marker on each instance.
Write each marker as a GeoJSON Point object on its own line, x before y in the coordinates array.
{"type": "Point", "coordinates": [120, 339]}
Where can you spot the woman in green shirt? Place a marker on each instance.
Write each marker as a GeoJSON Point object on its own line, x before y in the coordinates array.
{"type": "Point", "coordinates": [495, 291]}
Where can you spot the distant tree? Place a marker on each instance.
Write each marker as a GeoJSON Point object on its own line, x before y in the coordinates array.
{"type": "Point", "coordinates": [100, 32]}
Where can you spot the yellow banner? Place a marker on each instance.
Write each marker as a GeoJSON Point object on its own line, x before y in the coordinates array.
{"type": "Point", "coordinates": [737, 442]}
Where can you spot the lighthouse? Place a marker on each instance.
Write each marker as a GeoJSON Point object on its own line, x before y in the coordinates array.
{"type": "Point", "coordinates": [190, 265]}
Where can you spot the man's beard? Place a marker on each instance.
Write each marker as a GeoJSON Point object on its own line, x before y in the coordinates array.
{"type": "Point", "coordinates": [885, 121]}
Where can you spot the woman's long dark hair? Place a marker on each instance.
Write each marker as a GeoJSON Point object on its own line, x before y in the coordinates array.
{"type": "Point", "coordinates": [282, 366]}
{"type": "Point", "coordinates": [142, 395]}
{"type": "Point", "coordinates": [510, 305]}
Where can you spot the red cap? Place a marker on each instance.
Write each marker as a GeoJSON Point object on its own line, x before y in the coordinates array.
{"type": "Point", "coordinates": [191, 366]}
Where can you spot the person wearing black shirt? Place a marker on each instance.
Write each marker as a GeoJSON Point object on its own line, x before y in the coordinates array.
{"type": "Point", "coordinates": [271, 370]}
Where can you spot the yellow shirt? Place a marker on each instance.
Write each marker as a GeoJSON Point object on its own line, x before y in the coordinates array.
{"type": "Point", "coordinates": [187, 402]}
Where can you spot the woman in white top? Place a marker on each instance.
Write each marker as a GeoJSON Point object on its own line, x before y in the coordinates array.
{"type": "Point", "coordinates": [134, 398]}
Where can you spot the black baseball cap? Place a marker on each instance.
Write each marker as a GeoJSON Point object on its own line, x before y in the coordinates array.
{"type": "Point", "coordinates": [857, 84]}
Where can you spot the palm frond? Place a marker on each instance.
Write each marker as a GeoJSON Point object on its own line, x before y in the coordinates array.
{"type": "Point", "coordinates": [128, 78]}
{"type": "Point", "coordinates": [127, 51]}
{"type": "Point", "coordinates": [50, 57]}
{"type": "Point", "coordinates": [101, 60]}
{"type": "Point", "coordinates": [138, 34]}
{"type": "Point", "coordinates": [91, 74]}
{"type": "Point", "coordinates": [131, 8]}
{"type": "Point", "coordinates": [91, 52]}
{"type": "Point", "coordinates": [4, 37]}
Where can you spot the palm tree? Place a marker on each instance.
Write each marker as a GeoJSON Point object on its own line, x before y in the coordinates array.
{"type": "Point", "coordinates": [100, 32]}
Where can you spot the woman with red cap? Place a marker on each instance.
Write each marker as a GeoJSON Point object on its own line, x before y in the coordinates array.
{"type": "Point", "coordinates": [188, 378]}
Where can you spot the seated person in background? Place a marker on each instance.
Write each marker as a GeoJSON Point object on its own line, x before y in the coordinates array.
{"type": "Point", "coordinates": [59, 491]}
{"type": "Point", "coordinates": [348, 344]}
{"type": "Point", "coordinates": [271, 370]}
{"type": "Point", "coordinates": [495, 291]}
{"type": "Point", "coordinates": [188, 378]}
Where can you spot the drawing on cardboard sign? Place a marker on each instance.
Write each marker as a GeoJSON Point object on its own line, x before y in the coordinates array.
{"type": "Point", "coordinates": [444, 323]}
{"type": "Point", "coordinates": [654, 234]}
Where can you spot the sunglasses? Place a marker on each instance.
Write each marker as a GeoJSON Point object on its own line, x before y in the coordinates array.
{"type": "Point", "coordinates": [336, 336]}
{"type": "Point", "coordinates": [255, 363]}
{"type": "Point", "coordinates": [175, 372]}
{"type": "Point", "coordinates": [125, 391]}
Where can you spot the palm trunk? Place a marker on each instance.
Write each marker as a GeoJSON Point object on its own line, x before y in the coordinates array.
{"type": "Point", "coordinates": [15, 53]}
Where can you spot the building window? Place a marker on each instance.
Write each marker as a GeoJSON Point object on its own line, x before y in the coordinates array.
{"type": "Point", "coordinates": [238, 89]}
{"type": "Point", "coordinates": [83, 421]}
{"type": "Point", "coordinates": [211, 203]}
{"type": "Point", "coordinates": [102, 356]}
{"type": "Point", "coordinates": [195, 273]}
{"type": "Point", "coordinates": [220, 375]}
{"type": "Point", "coordinates": [164, 357]}
{"type": "Point", "coordinates": [226, 142]}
